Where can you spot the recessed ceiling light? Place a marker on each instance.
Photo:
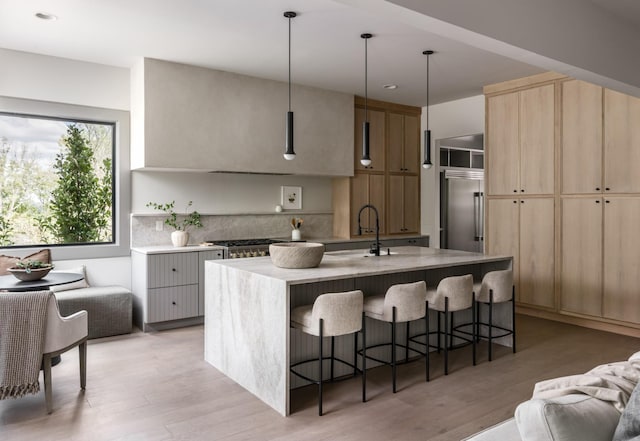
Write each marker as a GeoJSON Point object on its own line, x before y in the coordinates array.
{"type": "Point", "coordinates": [45, 16]}
{"type": "Point", "coordinates": [390, 86]}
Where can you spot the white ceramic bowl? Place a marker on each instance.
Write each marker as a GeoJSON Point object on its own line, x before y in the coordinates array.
{"type": "Point", "coordinates": [296, 254]}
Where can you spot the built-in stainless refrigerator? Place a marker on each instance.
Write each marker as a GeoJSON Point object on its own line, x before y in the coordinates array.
{"type": "Point", "coordinates": [462, 210]}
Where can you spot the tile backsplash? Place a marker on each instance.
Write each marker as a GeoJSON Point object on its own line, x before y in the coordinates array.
{"type": "Point", "coordinates": [221, 227]}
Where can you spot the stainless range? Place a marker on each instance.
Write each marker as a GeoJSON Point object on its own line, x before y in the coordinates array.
{"type": "Point", "coordinates": [235, 249]}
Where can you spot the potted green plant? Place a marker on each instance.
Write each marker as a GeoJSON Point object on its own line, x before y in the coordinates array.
{"type": "Point", "coordinates": [180, 237]}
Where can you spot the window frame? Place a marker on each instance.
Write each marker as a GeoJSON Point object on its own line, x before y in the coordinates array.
{"type": "Point", "coordinates": [120, 245]}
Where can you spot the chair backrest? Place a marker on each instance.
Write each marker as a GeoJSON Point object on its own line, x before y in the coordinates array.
{"type": "Point", "coordinates": [500, 282]}
{"type": "Point", "coordinates": [341, 312]}
{"type": "Point", "coordinates": [408, 299]}
{"type": "Point", "coordinates": [459, 290]}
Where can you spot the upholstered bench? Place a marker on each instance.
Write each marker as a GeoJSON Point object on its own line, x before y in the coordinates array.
{"type": "Point", "coordinates": [109, 308]}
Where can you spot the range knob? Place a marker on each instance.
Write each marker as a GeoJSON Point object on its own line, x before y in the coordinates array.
{"type": "Point", "coordinates": [232, 255]}
{"type": "Point", "coordinates": [263, 253]}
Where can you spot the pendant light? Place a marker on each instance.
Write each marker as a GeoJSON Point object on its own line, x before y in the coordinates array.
{"type": "Point", "coordinates": [289, 153]}
{"type": "Point", "coordinates": [427, 133]}
{"type": "Point", "coordinates": [366, 160]}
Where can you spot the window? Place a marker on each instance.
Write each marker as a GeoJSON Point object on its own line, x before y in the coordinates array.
{"type": "Point", "coordinates": [56, 181]}
{"type": "Point", "coordinates": [64, 179]}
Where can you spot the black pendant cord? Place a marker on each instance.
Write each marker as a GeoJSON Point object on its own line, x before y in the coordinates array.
{"type": "Point", "coordinates": [290, 17]}
{"type": "Point", "coordinates": [427, 88]}
{"type": "Point", "coordinates": [366, 160]}
{"type": "Point", "coordinates": [366, 79]}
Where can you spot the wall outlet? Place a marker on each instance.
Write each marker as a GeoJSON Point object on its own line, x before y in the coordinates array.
{"type": "Point", "coordinates": [159, 225]}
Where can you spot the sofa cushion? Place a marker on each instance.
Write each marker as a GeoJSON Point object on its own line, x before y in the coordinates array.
{"type": "Point", "coordinates": [629, 425]}
{"type": "Point", "coordinates": [75, 285]}
{"type": "Point", "coordinates": [567, 418]}
{"type": "Point", "coordinates": [7, 262]}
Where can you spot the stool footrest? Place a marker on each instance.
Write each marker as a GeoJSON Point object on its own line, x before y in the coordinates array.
{"type": "Point", "coordinates": [388, 363]}
{"type": "Point", "coordinates": [314, 381]}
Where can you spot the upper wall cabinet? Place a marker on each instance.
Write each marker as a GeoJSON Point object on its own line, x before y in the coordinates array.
{"type": "Point", "coordinates": [521, 140]}
{"type": "Point", "coordinates": [191, 118]}
{"type": "Point", "coordinates": [404, 143]}
{"type": "Point", "coordinates": [621, 143]}
{"type": "Point", "coordinates": [581, 137]}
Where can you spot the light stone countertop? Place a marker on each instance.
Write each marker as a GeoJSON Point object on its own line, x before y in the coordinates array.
{"type": "Point", "coordinates": [353, 263]}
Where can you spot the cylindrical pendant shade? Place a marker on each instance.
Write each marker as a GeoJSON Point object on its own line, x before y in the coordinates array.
{"type": "Point", "coordinates": [289, 154]}
{"type": "Point", "coordinates": [427, 150]}
{"type": "Point", "coordinates": [366, 160]}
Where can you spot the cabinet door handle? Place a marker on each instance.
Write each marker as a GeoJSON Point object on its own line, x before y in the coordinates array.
{"type": "Point", "coordinates": [522, 202]}
{"type": "Point", "coordinates": [515, 191]}
{"type": "Point", "coordinates": [607, 189]}
{"type": "Point", "coordinates": [173, 303]}
{"type": "Point", "coordinates": [173, 269]}
{"type": "Point", "coordinates": [606, 202]}
{"type": "Point", "coordinates": [515, 202]}
{"type": "Point", "coordinates": [597, 202]}
{"type": "Point", "coordinates": [597, 188]}
{"type": "Point", "coordinates": [522, 190]}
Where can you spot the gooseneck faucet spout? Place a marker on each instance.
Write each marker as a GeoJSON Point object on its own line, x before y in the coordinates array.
{"type": "Point", "coordinates": [375, 247]}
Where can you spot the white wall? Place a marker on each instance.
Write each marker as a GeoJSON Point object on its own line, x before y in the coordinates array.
{"type": "Point", "coordinates": [454, 118]}
{"type": "Point", "coordinates": [40, 77]}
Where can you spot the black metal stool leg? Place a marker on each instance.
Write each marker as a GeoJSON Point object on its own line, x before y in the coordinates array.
{"type": "Point", "coordinates": [406, 343]}
{"type": "Point", "coordinates": [513, 318]}
{"type": "Point", "coordinates": [438, 331]}
{"type": "Point", "coordinates": [364, 359]}
{"type": "Point", "coordinates": [473, 325]}
{"type": "Point", "coordinates": [393, 349]}
{"type": "Point", "coordinates": [333, 347]}
{"type": "Point", "coordinates": [426, 326]}
{"type": "Point", "coordinates": [490, 324]}
{"type": "Point", "coordinates": [355, 354]}
{"type": "Point", "coordinates": [446, 331]}
{"type": "Point", "coordinates": [321, 378]}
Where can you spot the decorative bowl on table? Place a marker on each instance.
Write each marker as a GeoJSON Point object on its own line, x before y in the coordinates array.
{"type": "Point", "coordinates": [30, 274]}
{"type": "Point", "coordinates": [296, 254]}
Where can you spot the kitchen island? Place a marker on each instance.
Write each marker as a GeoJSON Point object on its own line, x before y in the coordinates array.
{"type": "Point", "coordinates": [248, 304]}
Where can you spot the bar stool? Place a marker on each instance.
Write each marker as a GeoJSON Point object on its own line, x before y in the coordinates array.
{"type": "Point", "coordinates": [452, 294]}
{"type": "Point", "coordinates": [496, 287]}
{"type": "Point", "coordinates": [332, 315]}
{"type": "Point", "coordinates": [401, 303]}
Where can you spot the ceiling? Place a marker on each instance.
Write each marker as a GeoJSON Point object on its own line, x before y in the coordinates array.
{"type": "Point", "coordinates": [250, 37]}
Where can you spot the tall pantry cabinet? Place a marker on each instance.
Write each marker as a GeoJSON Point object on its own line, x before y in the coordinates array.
{"type": "Point", "coordinates": [391, 183]}
{"type": "Point", "coordinates": [520, 152]}
{"type": "Point", "coordinates": [574, 236]}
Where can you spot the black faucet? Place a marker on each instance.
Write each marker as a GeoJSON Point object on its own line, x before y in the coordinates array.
{"type": "Point", "coordinates": [375, 247]}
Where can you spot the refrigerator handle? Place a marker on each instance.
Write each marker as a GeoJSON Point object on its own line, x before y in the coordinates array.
{"type": "Point", "coordinates": [478, 212]}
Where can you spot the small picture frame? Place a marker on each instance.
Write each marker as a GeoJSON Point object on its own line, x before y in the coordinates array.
{"type": "Point", "coordinates": [291, 197]}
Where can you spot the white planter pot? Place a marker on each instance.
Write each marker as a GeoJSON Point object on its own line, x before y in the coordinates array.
{"type": "Point", "coordinates": [295, 234]}
{"type": "Point", "coordinates": [180, 238]}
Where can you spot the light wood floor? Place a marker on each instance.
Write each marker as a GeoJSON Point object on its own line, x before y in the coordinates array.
{"type": "Point", "coordinates": [157, 387]}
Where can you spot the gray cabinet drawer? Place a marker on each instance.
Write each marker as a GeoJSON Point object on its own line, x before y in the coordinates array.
{"type": "Point", "coordinates": [172, 303]}
{"type": "Point", "coordinates": [172, 269]}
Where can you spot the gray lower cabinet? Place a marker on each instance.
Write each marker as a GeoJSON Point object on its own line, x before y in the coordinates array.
{"type": "Point", "coordinates": [168, 287]}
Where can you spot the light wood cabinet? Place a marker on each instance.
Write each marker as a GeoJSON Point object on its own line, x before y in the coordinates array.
{"type": "Point", "coordinates": [621, 142]}
{"type": "Point", "coordinates": [376, 140]}
{"type": "Point", "coordinates": [524, 228]}
{"type": "Point", "coordinates": [581, 137]}
{"type": "Point", "coordinates": [404, 204]}
{"type": "Point", "coordinates": [391, 183]}
{"type": "Point", "coordinates": [581, 275]}
{"type": "Point", "coordinates": [521, 142]}
{"type": "Point", "coordinates": [367, 189]}
{"type": "Point", "coordinates": [404, 143]}
{"type": "Point", "coordinates": [621, 295]}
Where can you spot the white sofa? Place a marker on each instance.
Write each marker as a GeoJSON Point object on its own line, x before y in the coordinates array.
{"type": "Point", "coordinates": [600, 405]}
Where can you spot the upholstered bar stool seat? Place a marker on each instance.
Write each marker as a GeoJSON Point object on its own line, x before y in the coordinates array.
{"type": "Point", "coordinates": [496, 287]}
{"type": "Point", "coordinates": [452, 294]}
{"type": "Point", "coordinates": [401, 303]}
{"type": "Point", "coordinates": [331, 315]}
